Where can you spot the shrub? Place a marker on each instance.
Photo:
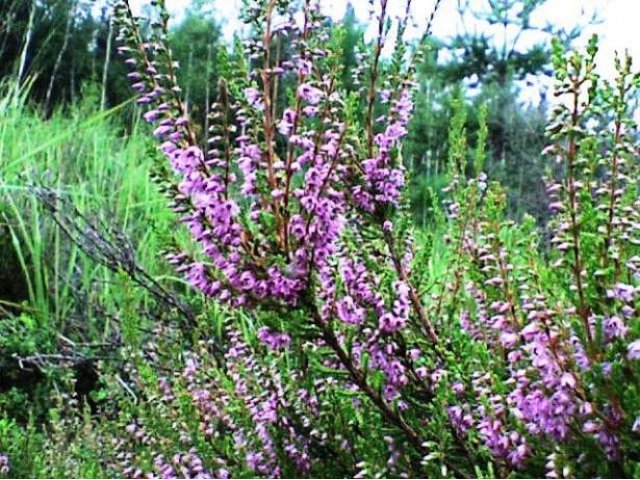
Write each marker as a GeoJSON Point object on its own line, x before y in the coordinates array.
{"type": "Point", "coordinates": [373, 354]}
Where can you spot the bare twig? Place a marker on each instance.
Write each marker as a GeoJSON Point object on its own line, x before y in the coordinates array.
{"type": "Point", "coordinates": [106, 246]}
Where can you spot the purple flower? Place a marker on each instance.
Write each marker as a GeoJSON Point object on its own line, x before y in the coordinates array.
{"type": "Point", "coordinates": [461, 420]}
{"type": "Point", "coordinates": [556, 207]}
{"type": "Point", "coordinates": [223, 473]}
{"type": "Point", "coordinates": [614, 327]}
{"type": "Point", "coordinates": [633, 350]}
{"type": "Point", "coordinates": [253, 96]}
{"type": "Point", "coordinates": [530, 331]}
{"type": "Point", "coordinates": [349, 312]}
{"type": "Point", "coordinates": [394, 132]}
{"type": "Point", "coordinates": [623, 292]}
{"type": "Point", "coordinates": [310, 111]}
{"type": "Point", "coordinates": [151, 116]}
{"type": "Point", "coordinates": [286, 124]}
{"type": "Point", "coordinates": [310, 94]}
{"type": "Point", "coordinates": [273, 340]}
{"type": "Point", "coordinates": [305, 67]}
{"type": "Point", "coordinates": [636, 425]}
{"type": "Point", "coordinates": [5, 465]}
{"type": "Point", "coordinates": [163, 131]}
{"type": "Point", "coordinates": [191, 368]}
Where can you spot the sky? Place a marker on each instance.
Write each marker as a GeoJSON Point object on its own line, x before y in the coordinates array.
{"type": "Point", "coordinates": [617, 29]}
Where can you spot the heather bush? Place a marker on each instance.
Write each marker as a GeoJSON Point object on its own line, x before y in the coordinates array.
{"type": "Point", "coordinates": [337, 340]}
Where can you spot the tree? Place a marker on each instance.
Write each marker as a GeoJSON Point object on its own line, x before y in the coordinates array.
{"type": "Point", "coordinates": [352, 37]}
{"type": "Point", "coordinates": [49, 41]}
{"type": "Point", "coordinates": [493, 67]}
{"type": "Point", "coordinates": [196, 42]}
{"type": "Point", "coordinates": [503, 51]}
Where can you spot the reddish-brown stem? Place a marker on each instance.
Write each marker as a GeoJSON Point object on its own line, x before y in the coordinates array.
{"type": "Point", "coordinates": [191, 136]}
{"type": "Point", "coordinates": [572, 153]}
{"type": "Point", "coordinates": [224, 113]}
{"type": "Point", "coordinates": [413, 295]}
{"type": "Point", "coordinates": [294, 131]}
{"type": "Point", "coordinates": [504, 276]}
{"type": "Point", "coordinates": [373, 74]}
{"type": "Point", "coordinates": [608, 240]}
{"type": "Point", "coordinates": [456, 265]}
{"type": "Point", "coordinates": [268, 122]}
{"type": "Point", "coordinates": [267, 118]}
{"type": "Point", "coordinates": [359, 378]}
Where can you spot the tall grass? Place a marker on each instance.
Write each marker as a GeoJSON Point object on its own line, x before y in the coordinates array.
{"type": "Point", "coordinates": [64, 302]}
{"type": "Point", "coordinates": [86, 160]}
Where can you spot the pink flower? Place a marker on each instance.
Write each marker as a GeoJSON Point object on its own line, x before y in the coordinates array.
{"type": "Point", "coordinates": [633, 350]}
{"type": "Point", "coordinates": [310, 94]}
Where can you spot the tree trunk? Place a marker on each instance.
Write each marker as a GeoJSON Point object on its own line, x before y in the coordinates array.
{"type": "Point", "coordinates": [10, 19]}
{"type": "Point", "coordinates": [56, 66]}
{"type": "Point", "coordinates": [72, 81]}
{"type": "Point", "coordinates": [27, 40]}
{"type": "Point", "coordinates": [105, 68]}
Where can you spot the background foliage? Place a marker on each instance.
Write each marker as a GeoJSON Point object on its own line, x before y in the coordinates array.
{"type": "Point", "coordinates": [112, 365]}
